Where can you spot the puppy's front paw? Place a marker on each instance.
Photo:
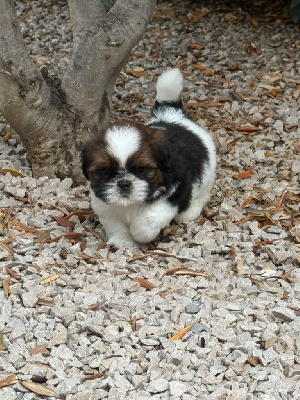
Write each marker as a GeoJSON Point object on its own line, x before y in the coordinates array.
{"type": "Point", "coordinates": [122, 241]}
{"type": "Point", "coordinates": [143, 232]}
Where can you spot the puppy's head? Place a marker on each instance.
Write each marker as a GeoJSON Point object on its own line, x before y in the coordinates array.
{"type": "Point", "coordinates": [121, 164]}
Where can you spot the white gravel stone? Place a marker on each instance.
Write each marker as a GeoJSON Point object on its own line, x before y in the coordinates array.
{"type": "Point", "coordinates": [158, 386]}
{"type": "Point", "coordinates": [178, 388]}
{"type": "Point", "coordinates": [29, 299]}
{"type": "Point", "coordinates": [283, 313]}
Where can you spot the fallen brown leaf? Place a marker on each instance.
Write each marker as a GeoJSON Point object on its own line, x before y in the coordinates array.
{"type": "Point", "coordinates": [95, 305]}
{"type": "Point", "coordinates": [254, 361]}
{"type": "Point", "coordinates": [3, 347]}
{"type": "Point", "coordinates": [184, 271]}
{"type": "Point", "coordinates": [10, 380]}
{"type": "Point", "coordinates": [297, 147]}
{"type": "Point", "coordinates": [136, 258]}
{"type": "Point", "coordinates": [44, 302]}
{"type": "Point", "coordinates": [200, 67]}
{"type": "Point", "coordinates": [196, 46]}
{"type": "Point", "coordinates": [5, 284]}
{"type": "Point", "coordinates": [256, 281]}
{"type": "Point", "coordinates": [233, 253]}
{"type": "Point", "coordinates": [179, 335]}
{"type": "Point", "coordinates": [65, 222]}
{"type": "Point", "coordinates": [137, 74]}
{"type": "Point", "coordinates": [92, 377]}
{"type": "Point", "coordinates": [145, 283]}
{"type": "Point", "coordinates": [40, 350]}
{"type": "Point", "coordinates": [44, 236]}
{"type": "Point", "coordinates": [12, 273]}
{"type": "Point", "coordinates": [270, 342]}
{"type": "Point", "coordinates": [248, 128]}
{"type": "Point", "coordinates": [133, 323]}
{"type": "Point", "coordinates": [20, 226]}
{"type": "Point", "coordinates": [40, 389]}
{"type": "Point", "coordinates": [165, 293]}
{"type": "Point", "coordinates": [254, 50]}
{"type": "Point", "coordinates": [244, 175]}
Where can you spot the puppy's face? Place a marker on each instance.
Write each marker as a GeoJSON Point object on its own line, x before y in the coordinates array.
{"type": "Point", "coordinates": [121, 164]}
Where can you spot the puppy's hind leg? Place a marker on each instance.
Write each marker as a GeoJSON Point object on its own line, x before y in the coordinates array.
{"type": "Point", "coordinates": [194, 210]}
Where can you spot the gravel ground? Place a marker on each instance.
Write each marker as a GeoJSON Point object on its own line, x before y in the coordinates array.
{"type": "Point", "coordinates": [75, 315]}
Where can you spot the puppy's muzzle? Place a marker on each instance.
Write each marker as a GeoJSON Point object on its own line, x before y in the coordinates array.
{"type": "Point", "coordinates": [124, 186]}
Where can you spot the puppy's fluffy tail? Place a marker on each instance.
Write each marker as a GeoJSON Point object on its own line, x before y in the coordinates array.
{"type": "Point", "coordinates": [169, 86]}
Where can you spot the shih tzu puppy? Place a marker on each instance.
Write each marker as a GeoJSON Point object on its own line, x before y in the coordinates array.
{"type": "Point", "coordinates": [143, 176]}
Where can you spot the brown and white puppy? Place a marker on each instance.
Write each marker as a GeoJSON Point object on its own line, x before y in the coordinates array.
{"type": "Point", "coordinates": [143, 176]}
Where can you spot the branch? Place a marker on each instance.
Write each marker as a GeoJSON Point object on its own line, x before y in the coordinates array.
{"type": "Point", "coordinates": [85, 14]}
{"type": "Point", "coordinates": [23, 91]}
{"type": "Point", "coordinates": [100, 54]}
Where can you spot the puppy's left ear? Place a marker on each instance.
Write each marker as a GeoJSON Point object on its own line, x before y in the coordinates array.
{"type": "Point", "coordinates": [84, 163]}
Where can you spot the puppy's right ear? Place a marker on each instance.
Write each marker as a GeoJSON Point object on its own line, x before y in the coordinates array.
{"type": "Point", "coordinates": [85, 163]}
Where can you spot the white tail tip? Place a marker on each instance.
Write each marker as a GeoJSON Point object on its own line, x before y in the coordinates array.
{"type": "Point", "coordinates": [169, 86]}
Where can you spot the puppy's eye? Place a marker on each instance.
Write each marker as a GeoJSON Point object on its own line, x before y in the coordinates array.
{"type": "Point", "coordinates": [99, 173]}
{"type": "Point", "coordinates": [141, 170]}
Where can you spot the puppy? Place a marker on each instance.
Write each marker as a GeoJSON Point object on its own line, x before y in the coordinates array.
{"type": "Point", "coordinates": [143, 176]}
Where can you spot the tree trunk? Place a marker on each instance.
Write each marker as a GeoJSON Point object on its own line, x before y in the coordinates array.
{"type": "Point", "coordinates": [54, 116]}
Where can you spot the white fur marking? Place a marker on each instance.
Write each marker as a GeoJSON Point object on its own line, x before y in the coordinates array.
{"type": "Point", "coordinates": [169, 86]}
{"type": "Point", "coordinates": [123, 142]}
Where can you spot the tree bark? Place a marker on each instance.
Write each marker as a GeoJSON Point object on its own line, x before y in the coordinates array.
{"type": "Point", "coordinates": [54, 117]}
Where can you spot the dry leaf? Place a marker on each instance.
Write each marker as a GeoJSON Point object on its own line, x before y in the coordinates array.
{"type": "Point", "coordinates": [40, 350]}
{"type": "Point", "coordinates": [179, 335]}
{"type": "Point", "coordinates": [6, 248]}
{"type": "Point", "coordinates": [247, 128]}
{"type": "Point", "coordinates": [95, 305]}
{"type": "Point", "coordinates": [50, 279]}
{"type": "Point", "coordinates": [233, 253]}
{"type": "Point", "coordinates": [65, 222]}
{"type": "Point", "coordinates": [92, 377]}
{"type": "Point", "coordinates": [3, 347]}
{"type": "Point", "coordinates": [133, 323]}
{"type": "Point", "coordinates": [5, 284]}
{"type": "Point", "coordinates": [209, 72]}
{"type": "Point", "coordinates": [270, 342]}
{"type": "Point", "coordinates": [254, 49]}
{"type": "Point", "coordinates": [254, 361]}
{"type": "Point", "coordinates": [145, 283]}
{"type": "Point", "coordinates": [200, 67]}
{"type": "Point", "coordinates": [165, 293]}
{"type": "Point", "coordinates": [254, 22]}
{"type": "Point", "coordinates": [12, 273]}
{"type": "Point", "coordinates": [20, 226]}
{"type": "Point", "coordinates": [196, 46]}
{"type": "Point", "coordinates": [136, 258]}
{"type": "Point", "coordinates": [256, 281]}
{"type": "Point", "coordinates": [8, 136]}
{"type": "Point", "coordinates": [44, 236]}
{"type": "Point", "coordinates": [13, 172]}
{"type": "Point", "coordinates": [10, 380]}
{"type": "Point", "coordinates": [267, 154]}
{"type": "Point", "coordinates": [63, 253]}
{"type": "Point", "coordinates": [184, 271]}
{"type": "Point", "coordinates": [243, 175]}
{"type": "Point", "coordinates": [39, 389]}
{"type": "Point", "coordinates": [137, 74]}
{"type": "Point", "coordinates": [196, 17]}
{"type": "Point", "coordinates": [44, 302]}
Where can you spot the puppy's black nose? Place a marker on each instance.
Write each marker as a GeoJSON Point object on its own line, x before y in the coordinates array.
{"type": "Point", "coordinates": [124, 185]}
